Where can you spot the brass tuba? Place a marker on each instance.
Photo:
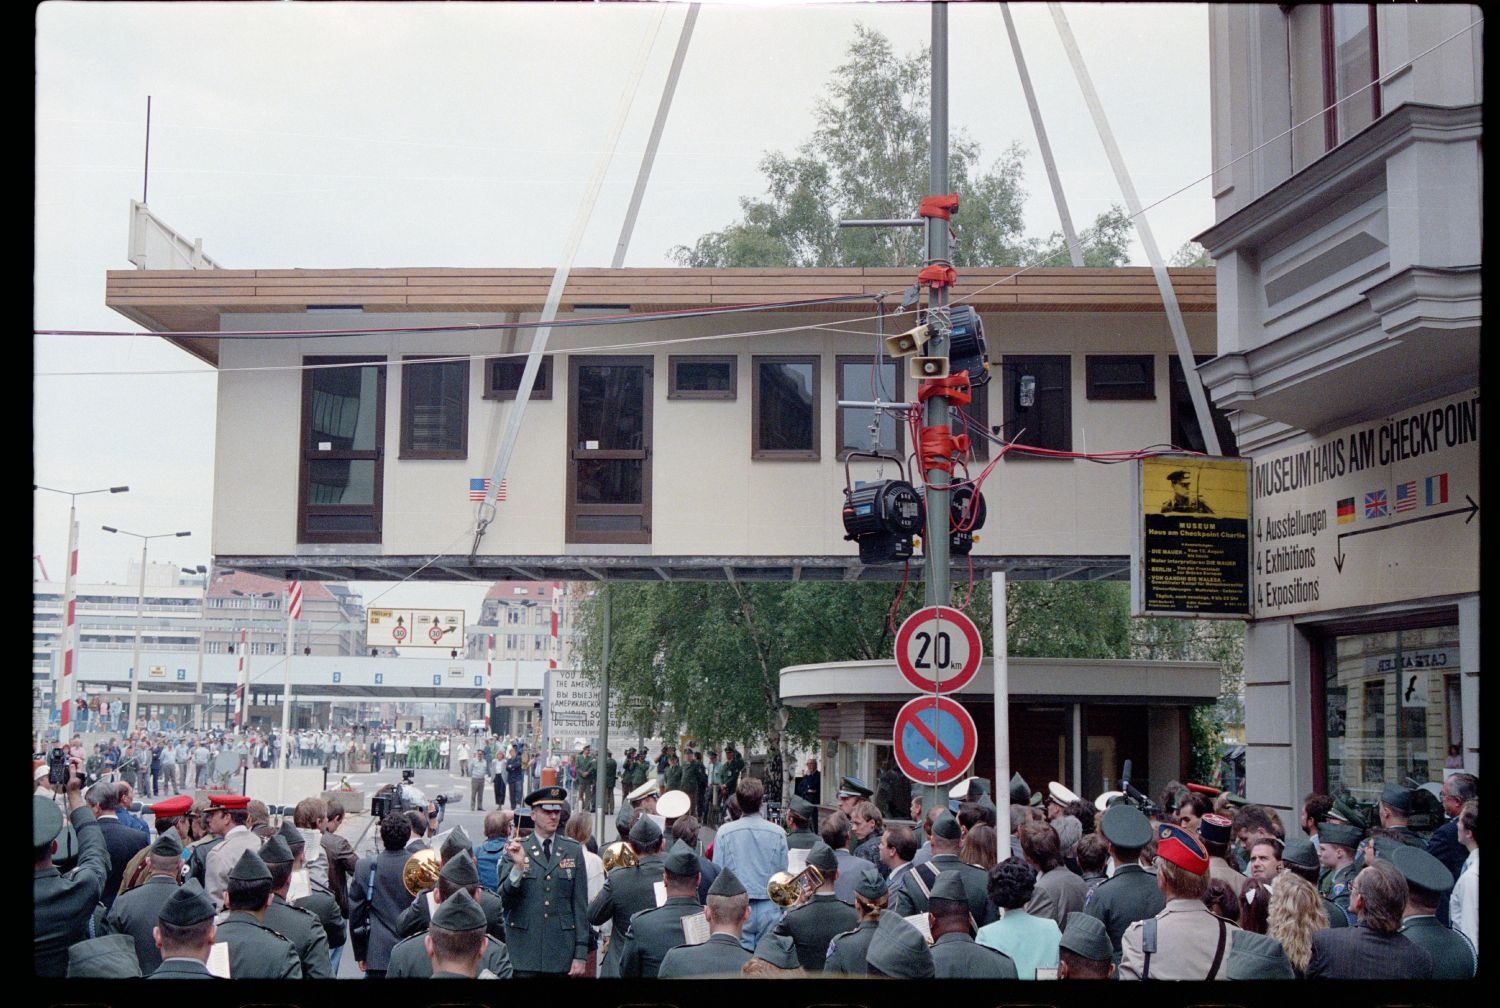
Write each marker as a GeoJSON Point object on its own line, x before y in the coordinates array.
{"type": "Point", "coordinates": [784, 888]}
{"type": "Point", "coordinates": [619, 855]}
{"type": "Point", "coordinates": [420, 871]}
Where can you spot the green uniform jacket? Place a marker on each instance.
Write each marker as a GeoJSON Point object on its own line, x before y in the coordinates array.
{"type": "Point", "coordinates": [1338, 886]}
{"type": "Point", "coordinates": [611, 770]}
{"type": "Point", "coordinates": [694, 778]}
{"type": "Point", "coordinates": [814, 924]}
{"type": "Point", "coordinates": [721, 956]}
{"type": "Point", "coordinates": [626, 892]}
{"type": "Point", "coordinates": [417, 918]}
{"type": "Point", "coordinates": [1129, 895]}
{"type": "Point", "coordinates": [585, 769]}
{"type": "Point", "coordinates": [409, 959]}
{"type": "Point", "coordinates": [61, 904]}
{"type": "Point", "coordinates": [801, 839]}
{"type": "Point", "coordinates": [305, 931]}
{"type": "Point", "coordinates": [1453, 956]}
{"type": "Point", "coordinates": [911, 899]}
{"type": "Point", "coordinates": [546, 909]}
{"type": "Point", "coordinates": [255, 951]}
{"type": "Point", "coordinates": [651, 934]}
{"type": "Point", "coordinates": [201, 849]}
{"type": "Point", "coordinates": [181, 969]}
{"type": "Point", "coordinates": [846, 951]}
{"type": "Point", "coordinates": [729, 773]}
{"type": "Point", "coordinates": [137, 912]}
{"type": "Point", "coordinates": [672, 779]}
{"type": "Point", "coordinates": [322, 904]}
{"type": "Point", "coordinates": [958, 957]}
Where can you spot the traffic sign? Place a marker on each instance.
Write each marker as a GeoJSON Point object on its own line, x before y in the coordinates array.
{"type": "Point", "coordinates": [938, 649]}
{"type": "Point", "coordinates": [936, 740]}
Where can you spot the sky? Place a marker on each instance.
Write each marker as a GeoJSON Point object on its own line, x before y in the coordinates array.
{"type": "Point", "coordinates": [359, 135]}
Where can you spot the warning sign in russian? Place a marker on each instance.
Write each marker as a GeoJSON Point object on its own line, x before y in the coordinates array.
{"type": "Point", "coordinates": [1192, 551]}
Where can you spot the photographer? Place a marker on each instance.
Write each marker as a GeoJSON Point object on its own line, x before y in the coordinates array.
{"type": "Point", "coordinates": [63, 905]}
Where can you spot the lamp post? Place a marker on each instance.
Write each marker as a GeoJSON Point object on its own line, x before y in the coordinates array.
{"type": "Point", "coordinates": [202, 632]}
{"type": "Point", "coordinates": [140, 614]}
{"type": "Point", "coordinates": [64, 697]}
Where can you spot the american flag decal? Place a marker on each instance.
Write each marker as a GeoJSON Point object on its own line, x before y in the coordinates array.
{"type": "Point", "coordinates": [1406, 496]}
{"type": "Point", "coordinates": [1375, 504]}
{"type": "Point", "coordinates": [479, 487]}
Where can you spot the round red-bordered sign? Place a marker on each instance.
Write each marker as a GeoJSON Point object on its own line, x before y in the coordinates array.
{"type": "Point", "coordinates": [936, 740]}
{"type": "Point", "coordinates": [938, 649]}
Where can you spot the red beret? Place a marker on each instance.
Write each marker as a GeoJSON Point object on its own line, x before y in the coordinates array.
{"type": "Point", "coordinates": [174, 806]}
{"type": "Point", "coordinates": [1183, 849]}
{"type": "Point", "coordinates": [229, 801]}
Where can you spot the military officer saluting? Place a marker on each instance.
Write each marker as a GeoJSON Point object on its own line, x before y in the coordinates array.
{"type": "Point", "coordinates": [628, 890]}
{"type": "Point", "coordinates": [955, 953]}
{"type": "Point", "coordinates": [1130, 894]}
{"type": "Point", "coordinates": [814, 923]}
{"type": "Point", "coordinates": [800, 816]}
{"type": "Point", "coordinates": [546, 895]}
{"type": "Point", "coordinates": [301, 927]}
{"type": "Point", "coordinates": [185, 933]}
{"type": "Point", "coordinates": [847, 950]}
{"type": "Point", "coordinates": [650, 934]}
{"type": "Point", "coordinates": [1427, 879]}
{"type": "Point", "coordinates": [256, 952]}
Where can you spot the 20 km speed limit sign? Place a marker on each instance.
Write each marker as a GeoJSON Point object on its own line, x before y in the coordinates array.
{"type": "Point", "coordinates": [938, 649]}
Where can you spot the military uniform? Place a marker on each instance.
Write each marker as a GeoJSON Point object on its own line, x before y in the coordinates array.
{"type": "Point", "coordinates": [1191, 944]}
{"type": "Point", "coordinates": [409, 959]}
{"type": "Point", "coordinates": [611, 770]}
{"type": "Point", "coordinates": [418, 917]}
{"type": "Point", "coordinates": [651, 934]}
{"type": "Point", "coordinates": [257, 952]}
{"type": "Point", "coordinates": [137, 912]}
{"type": "Point", "coordinates": [626, 892]}
{"type": "Point", "coordinates": [181, 969]}
{"type": "Point", "coordinates": [306, 933]}
{"type": "Point", "coordinates": [584, 770]}
{"type": "Point", "coordinates": [1129, 895]}
{"type": "Point", "coordinates": [1453, 955]}
{"type": "Point", "coordinates": [814, 924]}
{"type": "Point", "coordinates": [912, 899]}
{"type": "Point", "coordinates": [721, 956]}
{"type": "Point", "coordinates": [61, 903]}
{"type": "Point", "coordinates": [547, 924]}
{"type": "Point", "coordinates": [322, 904]}
{"type": "Point", "coordinates": [846, 951]}
{"type": "Point", "coordinates": [801, 839]}
{"type": "Point", "coordinates": [956, 956]}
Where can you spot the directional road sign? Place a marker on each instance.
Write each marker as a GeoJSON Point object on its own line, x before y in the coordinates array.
{"type": "Point", "coordinates": [938, 649]}
{"type": "Point", "coordinates": [936, 740]}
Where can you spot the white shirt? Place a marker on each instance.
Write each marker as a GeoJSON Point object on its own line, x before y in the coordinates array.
{"type": "Point", "coordinates": [1463, 906]}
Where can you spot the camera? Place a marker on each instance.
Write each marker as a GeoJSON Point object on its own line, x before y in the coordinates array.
{"type": "Point", "coordinates": [382, 805]}
{"type": "Point", "coordinates": [57, 767]}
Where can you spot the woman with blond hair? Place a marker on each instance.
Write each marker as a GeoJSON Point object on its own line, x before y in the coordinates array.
{"type": "Point", "coordinates": [1296, 911]}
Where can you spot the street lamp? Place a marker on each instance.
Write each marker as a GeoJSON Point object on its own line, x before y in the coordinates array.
{"type": "Point", "coordinates": [140, 613]}
{"type": "Point", "coordinates": [202, 632]}
{"type": "Point", "coordinates": [70, 629]}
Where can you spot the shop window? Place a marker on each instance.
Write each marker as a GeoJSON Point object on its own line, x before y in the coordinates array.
{"type": "Point", "coordinates": [695, 377]}
{"type": "Point", "coordinates": [502, 377]}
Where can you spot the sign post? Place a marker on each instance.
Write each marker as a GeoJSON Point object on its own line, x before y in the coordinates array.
{"type": "Point", "coordinates": [938, 650]}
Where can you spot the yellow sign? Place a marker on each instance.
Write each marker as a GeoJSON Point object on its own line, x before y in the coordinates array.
{"type": "Point", "coordinates": [1192, 549]}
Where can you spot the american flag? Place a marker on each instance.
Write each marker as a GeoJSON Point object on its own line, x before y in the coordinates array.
{"type": "Point", "coordinates": [1375, 504]}
{"type": "Point", "coordinates": [1406, 496]}
{"type": "Point", "coordinates": [479, 487]}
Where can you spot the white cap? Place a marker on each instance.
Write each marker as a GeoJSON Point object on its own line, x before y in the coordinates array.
{"type": "Point", "coordinates": [1102, 802]}
{"type": "Point", "coordinates": [651, 787]}
{"type": "Point", "coordinates": [1059, 793]}
{"type": "Point", "coordinates": [960, 791]}
{"type": "Point", "coordinates": [673, 804]}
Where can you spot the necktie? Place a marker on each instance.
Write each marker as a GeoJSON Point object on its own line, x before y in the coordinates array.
{"type": "Point", "coordinates": [547, 849]}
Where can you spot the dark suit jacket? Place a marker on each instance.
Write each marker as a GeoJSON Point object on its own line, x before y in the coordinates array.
{"type": "Point", "coordinates": [389, 899]}
{"type": "Point", "coordinates": [1359, 953]}
{"type": "Point", "coordinates": [1444, 845]}
{"type": "Point", "coordinates": [122, 842]}
{"type": "Point", "coordinates": [341, 863]}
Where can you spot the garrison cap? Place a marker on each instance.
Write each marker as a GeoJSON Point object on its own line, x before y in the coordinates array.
{"type": "Point", "coordinates": [1339, 833]}
{"type": "Point", "coordinates": [229, 801]}
{"type": "Point", "coordinates": [645, 832]}
{"type": "Point", "coordinates": [1216, 828]}
{"type": "Point", "coordinates": [1181, 848]}
{"type": "Point", "coordinates": [167, 845]}
{"type": "Point", "coordinates": [1125, 826]}
{"type": "Point", "coordinates": [801, 808]}
{"type": "Point", "coordinates": [1300, 852]}
{"type": "Point", "coordinates": [681, 859]}
{"type": "Point", "coordinates": [899, 950]}
{"type": "Point", "coordinates": [1254, 956]}
{"type": "Point", "coordinates": [1344, 810]}
{"type": "Point", "coordinates": [292, 835]}
{"type": "Point", "coordinates": [1423, 872]}
{"type": "Point", "coordinates": [726, 884]}
{"type": "Point", "coordinates": [673, 804]}
{"type": "Point", "coordinates": [623, 818]}
{"type": "Point", "coordinates": [460, 911]}
{"type": "Point", "coordinates": [275, 850]}
{"type": "Point", "coordinates": [646, 790]}
{"type": "Point", "coordinates": [822, 855]}
{"type": "Point", "coordinates": [1385, 847]}
{"type": "Point", "coordinates": [777, 949]}
{"type": "Point", "coordinates": [187, 906]}
{"type": "Point", "coordinates": [946, 826]}
{"type": "Point", "coordinates": [1397, 797]}
{"type": "Point", "coordinates": [460, 870]}
{"type": "Point", "coordinates": [1084, 935]}
{"type": "Point", "coordinates": [250, 868]}
{"type": "Point", "coordinates": [456, 840]}
{"type": "Point", "coordinates": [1060, 794]}
{"type": "Point", "coordinates": [870, 885]}
{"type": "Point", "coordinates": [175, 806]}
{"type": "Point", "coordinates": [1107, 799]}
{"type": "Point", "coordinates": [548, 798]}
{"type": "Point", "coordinates": [106, 957]}
{"type": "Point", "coordinates": [46, 821]}
{"type": "Point", "coordinates": [949, 885]}
{"type": "Point", "coordinates": [1020, 791]}
{"type": "Point", "coordinates": [853, 787]}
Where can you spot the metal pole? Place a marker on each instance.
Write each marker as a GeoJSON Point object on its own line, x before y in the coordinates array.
{"type": "Point", "coordinates": [1001, 649]}
{"type": "Point", "coordinates": [198, 724]}
{"type": "Point", "coordinates": [242, 711]}
{"type": "Point", "coordinates": [70, 625]}
{"type": "Point", "coordinates": [599, 791]}
{"type": "Point", "coordinates": [286, 702]}
{"type": "Point", "coordinates": [140, 617]}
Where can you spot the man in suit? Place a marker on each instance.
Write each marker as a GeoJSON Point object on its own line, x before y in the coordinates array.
{"type": "Point", "coordinates": [378, 892]}
{"type": "Point", "coordinates": [1427, 882]}
{"type": "Point", "coordinates": [137, 911]}
{"type": "Point", "coordinates": [62, 904]}
{"type": "Point", "coordinates": [1375, 949]}
{"type": "Point", "coordinates": [628, 890]}
{"type": "Point", "coordinates": [1130, 894]}
{"type": "Point", "coordinates": [812, 924]}
{"type": "Point", "coordinates": [545, 892]}
{"type": "Point", "coordinates": [955, 953]}
{"type": "Point", "coordinates": [651, 933]}
{"type": "Point", "coordinates": [897, 848]}
{"type": "Point", "coordinates": [836, 831]}
{"type": "Point", "coordinates": [184, 934]}
{"type": "Point", "coordinates": [121, 841]}
{"type": "Point", "coordinates": [256, 951]}
{"type": "Point", "coordinates": [946, 837]}
{"type": "Point", "coordinates": [1443, 844]}
{"type": "Point", "coordinates": [810, 785]}
{"type": "Point", "coordinates": [728, 910]}
{"type": "Point", "coordinates": [1058, 891]}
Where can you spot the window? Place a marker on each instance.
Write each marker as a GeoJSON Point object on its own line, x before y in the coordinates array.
{"type": "Point", "coordinates": [784, 398]}
{"type": "Point", "coordinates": [340, 480]}
{"type": "Point", "coordinates": [512, 642]}
{"type": "Point", "coordinates": [435, 409]}
{"type": "Point", "coordinates": [1120, 376]}
{"type": "Point", "coordinates": [1335, 73]}
{"type": "Point", "coordinates": [1038, 401]}
{"type": "Point", "coordinates": [702, 377]}
{"type": "Point", "coordinates": [513, 616]}
{"type": "Point", "coordinates": [1186, 435]}
{"type": "Point", "coordinates": [860, 379]}
{"type": "Point", "coordinates": [502, 377]}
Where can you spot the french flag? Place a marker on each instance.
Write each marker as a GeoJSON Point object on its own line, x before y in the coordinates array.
{"type": "Point", "coordinates": [1437, 489]}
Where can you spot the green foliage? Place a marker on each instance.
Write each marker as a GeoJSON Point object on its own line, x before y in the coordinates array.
{"type": "Point", "coordinates": [868, 159]}
{"type": "Point", "coordinates": [1190, 254]}
{"type": "Point", "coordinates": [1068, 619]}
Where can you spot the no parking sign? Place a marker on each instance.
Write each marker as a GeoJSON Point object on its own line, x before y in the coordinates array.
{"type": "Point", "coordinates": [936, 740]}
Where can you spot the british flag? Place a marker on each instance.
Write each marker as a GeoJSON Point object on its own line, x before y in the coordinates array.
{"type": "Point", "coordinates": [1376, 505]}
{"type": "Point", "coordinates": [1406, 496]}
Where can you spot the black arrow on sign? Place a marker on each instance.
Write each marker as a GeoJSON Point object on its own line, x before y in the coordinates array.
{"type": "Point", "coordinates": [1338, 549]}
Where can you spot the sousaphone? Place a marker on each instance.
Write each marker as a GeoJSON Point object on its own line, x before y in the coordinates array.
{"type": "Point", "coordinates": [421, 871]}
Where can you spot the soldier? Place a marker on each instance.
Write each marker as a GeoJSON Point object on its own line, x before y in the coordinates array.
{"type": "Point", "coordinates": [812, 923]}
{"type": "Point", "coordinates": [643, 797]}
{"type": "Point", "coordinates": [228, 817]}
{"type": "Point", "coordinates": [722, 956]}
{"type": "Point", "coordinates": [256, 952]}
{"type": "Point", "coordinates": [1215, 830]}
{"type": "Point", "coordinates": [898, 950]}
{"type": "Point", "coordinates": [1183, 500]}
{"type": "Point", "coordinates": [729, 772]}
{"type": "Point", "coordinates": [1395, 806]}
{"type": "Point", "coordinates": [1255, 956]}
{"type": "Point", "coordinates": [1084, 951]}
{"type": "Point", "coordinates": [1375, 950]}
{"type": "Point", "coordinates": [198, 851]}
{"type": "Point", "coordinates": [545, 893]}
{"type": "Point", "coordinates": [184, 934]}
{"type": "Point", "coordinates": [775, 956]}
{"type": "Point", "coordinates": [672, 776]}
{"type": "Point", "coordinates": [1130, 894]}
{"type": "Point", "coordinates": [695, 781]}
{"type": "Point", "coordinates": [586, 773]}
{"type": "Point", "coordinates": [418, 917]}
{"type": "Point", "coordinates": [456, 944]}
{"type": "Point", "coordinates": [628, 890]}
{"type": "Point", "coordinates": [846, 951]}
{"type": "Point", "coordinates": [320, 900]}
{"type": "Point", "coordinates": [611, 769]}
{"type": "Point", "coordinates": [61, 905]}
{"type": "Point", "coordinates": [851, 792]}
{"type": "Point", "coordinates": [135, 913]}
{"type": "Point", "coordinates": [410, 957]}
{"type": "Point", "coordinates": [800, 817]}
{"type": "Point", "coordinates": [1427, 881]}
{"type": "Point", "coordinates": [946, 837]}
{"type": "Point", "coordinates": [1184, 941]}
{"type": "Point", "coordinates": [651, 933]}
{"type": "Point", "coordinates": [1301, 859]}
{"type": "Point", "coordinates": [955, 953]}
{"type": "Point", "coordinates": [301, 927]}
{"type": "Point", "coordinates": [1337, 843]}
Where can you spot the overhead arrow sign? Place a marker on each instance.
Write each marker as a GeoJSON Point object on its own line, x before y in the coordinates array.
{"type": "Point", "coordinates": [1338, 549]}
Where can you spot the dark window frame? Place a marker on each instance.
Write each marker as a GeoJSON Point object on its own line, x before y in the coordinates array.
{"type": "Point", "coordinates": [306, 455]}
{"type": "Point", "coordinates": [1098, 388]}
{"type": "Point", "coordinates": [811, 454]}
{"type": "Point", "coordinates": [1180, 413]}
{"type": "Point", "coordinates": [406, 451]}
{"type": "Point", "coordinates": [898, 394]}
{"type": "Point", "coordinates": [719, 395]}
{"type": "Point", "coordinates": [542, 389]}
{"type": "Point", "coordinates": [978, 412]}
{"type": "Point", "coordinates": [1053, 394]}
{"type": "Point", "coordinates": [1330, 57]}
{"type": "Point", "coordinates": [576, 509]}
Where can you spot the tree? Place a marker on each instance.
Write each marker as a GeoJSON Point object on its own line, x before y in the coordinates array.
{"type": "Point", "coordinates": [868, 159]}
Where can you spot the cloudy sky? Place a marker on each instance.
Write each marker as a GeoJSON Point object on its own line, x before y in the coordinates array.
{"type": "Point", "coordinates": [347, 135]}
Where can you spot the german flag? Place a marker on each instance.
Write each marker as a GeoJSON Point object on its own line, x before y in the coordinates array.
{"type": "Point", "coordinates": [1346, 510]}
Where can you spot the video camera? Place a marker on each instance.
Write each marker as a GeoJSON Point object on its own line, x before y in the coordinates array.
{"type": "Point", "coordinates": [59, 768]}
{"type": "Point", "coordinates": [400, 797]}
{"type": "Point", "coordinates": [1148, 808]}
